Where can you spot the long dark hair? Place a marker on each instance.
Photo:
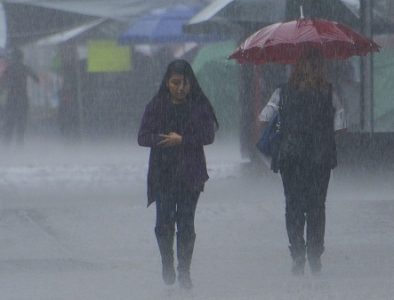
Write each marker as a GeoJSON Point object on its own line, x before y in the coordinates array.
{"type": "Point", "coordinates": [182, 67]}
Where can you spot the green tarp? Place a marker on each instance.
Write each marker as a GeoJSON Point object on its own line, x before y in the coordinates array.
{"type": "Point", "coordinates": [384, 90]}
{"type": "Point", "coordinates": [219, 78]}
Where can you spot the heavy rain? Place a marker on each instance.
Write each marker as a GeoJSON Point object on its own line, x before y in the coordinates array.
{"type": "Point", "coordinates": [75, 81]}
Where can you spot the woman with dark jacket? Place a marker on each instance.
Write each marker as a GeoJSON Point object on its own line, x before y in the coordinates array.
{"type": "Point", "coordinates": [310, 114]}
{"type": "Point", "coordinates": [176, 124]}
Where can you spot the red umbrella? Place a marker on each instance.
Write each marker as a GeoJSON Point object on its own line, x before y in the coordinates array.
{"type": "Point", "coordinates": [287, 42]}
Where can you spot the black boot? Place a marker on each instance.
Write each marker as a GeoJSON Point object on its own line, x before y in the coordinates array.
{"type": "Point", "coordinates": [165, 240]}
{"type": "Point", "coordinates": [298, 266]}
{"type": "Point", "coordinates": [298, 256]}
{"type": "Point", "coordinates": [185, 246]}
{"type": "Point", "coordinates": [314, 259]}
{"type": "Point", "coordinates": [315, 265]}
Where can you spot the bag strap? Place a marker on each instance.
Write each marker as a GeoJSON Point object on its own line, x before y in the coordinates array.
{"type": "Point", "coordinates": [280, 104]}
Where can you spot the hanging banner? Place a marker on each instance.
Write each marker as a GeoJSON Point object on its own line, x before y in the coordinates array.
{"type": "Point", "coordinates": [108, 56]}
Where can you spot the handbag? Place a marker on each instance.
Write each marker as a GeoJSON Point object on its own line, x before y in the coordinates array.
{"type": "Point", "coordinates": [268, 144]}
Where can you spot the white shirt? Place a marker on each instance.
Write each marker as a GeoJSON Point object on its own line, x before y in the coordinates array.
{"type": "Point", "coordinates": [273, 105]}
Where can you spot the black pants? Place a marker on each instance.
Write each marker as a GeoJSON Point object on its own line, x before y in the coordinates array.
{"type": "Point", "coordinates": [305, 187]}
{"type": "Point", "coordinates": [176, 205]}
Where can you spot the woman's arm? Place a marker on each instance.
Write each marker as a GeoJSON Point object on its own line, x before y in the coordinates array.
{"type": "Point", "coordinates": [271, 107]}
{"type": "Point", "coordinates": [267, 113]}
{"type": "Point", "coordinates": [148, 134]}
{"type": "Point", "coordinates": [340, 124]}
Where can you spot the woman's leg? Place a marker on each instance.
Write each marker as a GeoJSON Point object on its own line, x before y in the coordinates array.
{"type": "Point", "coordinates": [186, 208]}
{"type": "Point", "coordinates": [316, 215]}
{"type": "Point", "coordinates": [165, 231]}
{"type": "Point", "coordinates": [295, 214]}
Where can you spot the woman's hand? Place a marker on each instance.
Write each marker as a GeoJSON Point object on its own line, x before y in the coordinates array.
{"type": "Point", "coordinates": [169, 140]}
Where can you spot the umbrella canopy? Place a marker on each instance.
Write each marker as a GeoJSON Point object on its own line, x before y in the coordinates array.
{"type": "Point", "coordinates": [287, 42]}
{"type": "Point", "coordinates": [164, 26]}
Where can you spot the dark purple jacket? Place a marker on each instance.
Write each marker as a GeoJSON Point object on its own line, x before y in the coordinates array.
{"type": "Point", "coordinates": [199, 131]}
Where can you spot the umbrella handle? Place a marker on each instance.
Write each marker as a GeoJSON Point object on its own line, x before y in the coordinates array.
{"type": "Point", "coordinates": [301, 12]}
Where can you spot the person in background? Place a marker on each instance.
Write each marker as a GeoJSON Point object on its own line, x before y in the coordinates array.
{"type": "Point", "coordinates": [14, 81]}
{"type": "Point", "coordinates": [176, 125]}
{"type": "Point", "coordinates": [70, 113]}
{"type": "Point", "coordinates": [310, 114]}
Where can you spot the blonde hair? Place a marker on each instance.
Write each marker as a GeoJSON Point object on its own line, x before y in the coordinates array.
{"type": "Point", "coordinates": [308, 72]}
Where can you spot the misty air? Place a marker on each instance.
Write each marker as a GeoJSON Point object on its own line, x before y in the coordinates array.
{"type": "Point", "coordinates": [196, 149]}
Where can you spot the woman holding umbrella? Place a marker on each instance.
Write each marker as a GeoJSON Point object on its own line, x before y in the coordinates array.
{"type": "Point", "coordinates": [309, 114]}
{"type": "Point", "coordinates": [177, 123]}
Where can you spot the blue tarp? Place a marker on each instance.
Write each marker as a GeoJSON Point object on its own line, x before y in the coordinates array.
{"type": "Point", "coordinates": [164, 26]}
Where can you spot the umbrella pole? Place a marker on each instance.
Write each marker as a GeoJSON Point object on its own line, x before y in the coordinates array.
{"type": "Point", "coordinates": [367, 101]}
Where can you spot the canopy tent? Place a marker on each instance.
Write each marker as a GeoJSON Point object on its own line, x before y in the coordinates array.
{"type": "Point", "coordinates": [344, 11]}
{"type": "Point", "coordinates": [114, 9]}
{"type": "Point", "coordinates": [28, 20]}
{"type": "Point", "coordinates": [67, 35]}
{"type": "Point", "coordinates": [24, 23]}
{"type": "Point", "coordinates": [225, 16]}
{"type": "Point", "coordinates": [164, 25]}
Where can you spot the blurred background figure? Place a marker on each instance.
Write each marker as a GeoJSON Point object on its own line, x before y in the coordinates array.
{"type": "Point", "coordinates": [14, 82]}
{"type": "Point", "coordinates": [68, 110]}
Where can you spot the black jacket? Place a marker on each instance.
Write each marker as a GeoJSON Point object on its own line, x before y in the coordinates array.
{"type": "Point", "coordinates": [307, 127]}
{"type": "Point", "coordinates": [198, 130]}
